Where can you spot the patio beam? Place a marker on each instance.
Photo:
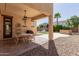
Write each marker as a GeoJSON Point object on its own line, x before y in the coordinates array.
{"type": "Point", "coordinates": [38, 17]}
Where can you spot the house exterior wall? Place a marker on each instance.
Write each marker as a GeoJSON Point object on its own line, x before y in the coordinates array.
{"type": "Point", "coordinates": [15, 20]}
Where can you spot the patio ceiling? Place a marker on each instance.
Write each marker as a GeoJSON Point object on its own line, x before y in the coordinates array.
{"type": "Point", "coordinates": [45, 8]}
{"type": "Point", "coordinates": [34, 10]}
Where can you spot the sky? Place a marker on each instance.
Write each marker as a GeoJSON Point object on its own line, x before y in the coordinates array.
{"type": "Point", "coordinates": [65, 9]}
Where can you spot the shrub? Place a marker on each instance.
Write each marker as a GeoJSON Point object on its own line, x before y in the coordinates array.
{"type": "Point", "coordinates": [56, 28]}
{"type": "Point", "coordinates": [65, 27]}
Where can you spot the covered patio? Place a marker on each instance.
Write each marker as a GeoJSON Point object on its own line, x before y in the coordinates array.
{"type": "Point", "coordinates": [18, 25]}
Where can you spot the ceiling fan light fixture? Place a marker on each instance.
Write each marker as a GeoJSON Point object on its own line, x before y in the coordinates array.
{"type": "Point", "coordinates": [24, 17]}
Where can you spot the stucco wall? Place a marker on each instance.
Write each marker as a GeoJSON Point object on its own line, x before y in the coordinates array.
{"type": "Point", "coordinates": [16, 19]}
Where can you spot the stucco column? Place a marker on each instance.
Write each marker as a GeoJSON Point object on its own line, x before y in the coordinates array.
{"type": "Point", "coordinates": [50, 27]}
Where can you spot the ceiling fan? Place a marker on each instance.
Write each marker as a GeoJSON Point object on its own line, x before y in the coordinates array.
{"type": "Point", "coordinates": [25, 17]}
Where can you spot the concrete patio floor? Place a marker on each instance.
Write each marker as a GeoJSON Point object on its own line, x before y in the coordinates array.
{"type": "Point", "coordinates": [55, 35]}
{"type": "Point", "coordinates": [9, 47]}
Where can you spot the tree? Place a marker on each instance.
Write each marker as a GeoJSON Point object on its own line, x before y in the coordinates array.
{"type": "Point", "coordinates": [57, 15]}
{"type": "Point", "coordinates": [73, 22]}
{"type": "Point", "coordinates": [43, 26]}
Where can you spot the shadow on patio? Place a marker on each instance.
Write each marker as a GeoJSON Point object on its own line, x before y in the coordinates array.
{"type": "Point", "coordinates": [9, 48]}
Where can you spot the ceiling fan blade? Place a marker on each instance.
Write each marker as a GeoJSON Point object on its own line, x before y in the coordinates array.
{"type": "Point", "coordinates": [28, 17]}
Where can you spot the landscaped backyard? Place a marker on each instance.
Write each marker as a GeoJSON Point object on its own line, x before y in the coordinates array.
{"type": "Point", "coordinates": [23, 37]}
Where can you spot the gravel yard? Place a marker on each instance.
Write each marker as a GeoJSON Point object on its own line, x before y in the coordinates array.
{"type": "Point", "coordinates": [67, 46]}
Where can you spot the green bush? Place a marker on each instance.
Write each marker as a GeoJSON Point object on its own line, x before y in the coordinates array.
{"type": "Point", "coordinates": [65, 27]}
{"type": "Point", "coordinates": [56, 28]}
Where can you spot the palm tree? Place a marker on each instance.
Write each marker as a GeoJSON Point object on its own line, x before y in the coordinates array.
{"type": "Point", "coordinates": [57, 15]}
